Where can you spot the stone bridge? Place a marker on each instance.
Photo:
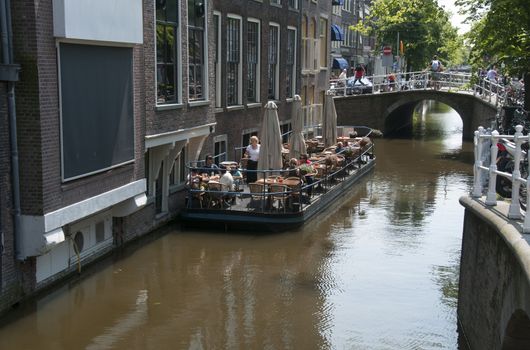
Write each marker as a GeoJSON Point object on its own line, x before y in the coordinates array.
{"type": "Point", "coordinates": [392, 112]}
{"type": "Point", "coordinates": [494, 287]}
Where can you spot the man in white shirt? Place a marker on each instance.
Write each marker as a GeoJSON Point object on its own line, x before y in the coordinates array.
{"type": "Point", "coordinates": [227, 182]}
{"type": "Point", "coordinates": [492, 74]}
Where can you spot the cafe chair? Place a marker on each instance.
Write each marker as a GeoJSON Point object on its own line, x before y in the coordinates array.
{"type": "Point", "coordinates": [215, 195]}
{"type": "Point", "coordinates": [258, 192]}
{"type": "Point", "coordinates": [280, 194]}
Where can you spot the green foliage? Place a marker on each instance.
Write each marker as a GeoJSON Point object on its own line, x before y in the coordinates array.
{"type": "Point", "coordinates": [423, 27]}
{"type": "Point", "coordinates": [500, 34]}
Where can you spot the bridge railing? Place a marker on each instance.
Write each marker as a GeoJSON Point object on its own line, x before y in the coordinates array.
{"type": "Point", "coordinates": [418, 80]}
{"type": "Point", "coordinates": [490, 91]}
{"type": "Point", "coordinates": [486, 172]}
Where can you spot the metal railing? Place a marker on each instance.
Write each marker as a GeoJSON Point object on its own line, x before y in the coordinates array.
{"type": "Point", "coordinates": [419, 80]}
{"type": "Point", "coordinates": [489, 91]}
{"type": "Point", "coordinates": [351, 164]}
{"type": "Point", "coordinates": [486, 172]}
{"type": "Point", "coordinates": [320, 184]}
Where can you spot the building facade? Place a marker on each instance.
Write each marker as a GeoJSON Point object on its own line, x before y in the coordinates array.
{"type": "Point", "coordinates": [257, 59]}
{"type": "Point", "coordinates": [111, 105]}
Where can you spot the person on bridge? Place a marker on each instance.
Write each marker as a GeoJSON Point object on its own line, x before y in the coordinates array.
{"type": "Point", "coordinates": [391, 82]}
{"type": "Point", "coordinates": [342, 77]}
{"type": "Point", "coordinates": [359, 73]}
{"type": "Point", "coordinates": [435, 68]}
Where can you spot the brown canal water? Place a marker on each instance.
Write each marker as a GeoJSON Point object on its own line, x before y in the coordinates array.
{"type": "Point", "coordinates": [381, 272]}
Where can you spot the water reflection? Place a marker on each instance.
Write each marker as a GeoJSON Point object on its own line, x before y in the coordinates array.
{"type": "Point", "coordinates": [380, 272]}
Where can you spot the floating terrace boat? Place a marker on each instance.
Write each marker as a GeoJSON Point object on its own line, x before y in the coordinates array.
{"type": "Point", "coordinates": [278, 202]}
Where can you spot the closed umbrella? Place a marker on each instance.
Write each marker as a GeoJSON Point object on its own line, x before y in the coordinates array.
{"type": "Point", "coordinates": [270, 153]}
{"type": "Point", "coordinates": [297, 141]}
{"type": "Point", "coordinates": [329, 127]}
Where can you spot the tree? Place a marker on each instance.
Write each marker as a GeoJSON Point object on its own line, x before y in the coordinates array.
{"type": "Point", "coordinates": [500, 34]}
{"type": "Point", "coordinates": [423, 26]}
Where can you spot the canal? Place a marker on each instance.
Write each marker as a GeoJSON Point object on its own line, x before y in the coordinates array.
{"type": "Point", "coordinates": [381, 272]}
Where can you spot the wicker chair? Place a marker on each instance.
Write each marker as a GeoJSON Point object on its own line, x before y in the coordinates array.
{"type": "Point", "coordinates": [216, 195]}
{"type": "Point", "coordinates": [280, 194]}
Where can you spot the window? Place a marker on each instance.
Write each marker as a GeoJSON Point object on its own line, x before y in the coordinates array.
{"type": "Point", "coordinates": [323, 42]}
{"type": "Point", "coordinates": [285, 131]}
{"type": "Point", "coordinates": [347, 5]}
{"type": "Point", "coordinates": [217, 43]}
{"type": "Point", "coordinates": [158, 189]}
{"type": "Point", "coordinates": [167, 48]}
{"type": "Point", "coordinates": [275, 2]}
{"type": "Point", "coordinates": [233, 60]}
{"type": "Point", "coordinates": [290, 79]}
{"type": "Point", "coordinates": [315, 51]}
{"type": "Point", "coordinates": [97, 117]}
{"type": "Point", "coordinates": [178, 171]}
{"type": "Point", "coordinates": [196, 53]}
{"type": "Point", "coordinates": [220, 149]}
{"type": "Point", "coordinates": [100, 231]}
{"type": "Point", "coordinates": [293, 4]}
{"type": "Point", "coordinates": [305, 44]}
{"type": "Point", "coordinates": [253, 55]}
{"type": "Point", "coordinates": [336, 9]}
{"type": "Point", "coordinates": [273, 70]}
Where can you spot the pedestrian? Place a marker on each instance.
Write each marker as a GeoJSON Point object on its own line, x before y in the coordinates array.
{"type": "Point", "coordinates": [391, 82]}
{"type": "Point", "coordinates": [435, 68]}
{"type": "Point", "coordinates": [342, 77]}
{"type": "Point", "coordinates": [359, 73]}
{"type": "Point", "coordinates": [491, 77]}
{"type": "Point", "coordinates": [252, 153]}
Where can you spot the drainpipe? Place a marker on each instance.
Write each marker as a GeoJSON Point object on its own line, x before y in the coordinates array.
{"type": "Point", "coordinates": [7, 59]}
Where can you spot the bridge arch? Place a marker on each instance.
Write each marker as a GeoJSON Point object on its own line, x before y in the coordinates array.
{"type": "Point", "coordinates": [390, 112]}
{"type": "Point", "coordinates": [398, 116]}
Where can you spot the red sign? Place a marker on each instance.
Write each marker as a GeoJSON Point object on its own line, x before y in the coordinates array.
{"type": "Point", "coordinates": [387, 50]}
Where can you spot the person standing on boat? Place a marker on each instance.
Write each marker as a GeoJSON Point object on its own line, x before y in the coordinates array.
{"type": "Point", "coordinates": [252, 153]}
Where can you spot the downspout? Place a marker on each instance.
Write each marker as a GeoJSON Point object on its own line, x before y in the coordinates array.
{"type": "Point", "coordinates": [7, 58]}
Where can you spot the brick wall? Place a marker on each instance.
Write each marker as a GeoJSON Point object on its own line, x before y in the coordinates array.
{"type": "Point", "coordinates": [9, 286]}
{"type": "Point", "coordinates": [231, 123]}
{"type": "Point", "coordinates": [39, 119]}
{"type": "Point", "coordinates": [185, 116]}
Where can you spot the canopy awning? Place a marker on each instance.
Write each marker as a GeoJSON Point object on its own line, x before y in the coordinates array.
{"type": "Point", "coordinates": [336, 33]}
{"type": "Point", "coordinates": [339, 63]}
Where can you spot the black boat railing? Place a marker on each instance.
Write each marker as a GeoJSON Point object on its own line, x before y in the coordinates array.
{"type": "Point", "coordinates": [275, 191]}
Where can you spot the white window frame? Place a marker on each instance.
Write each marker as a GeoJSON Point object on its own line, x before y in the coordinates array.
{"type": "Point", "coordinates": [178, 63]}
{"type": "Point", "coordinates": [205, 81]}
{"type": "Point", "coordinates": [347, 5]}
{"type": "Point", "coordinates": [296, 5]}
{"type": "Point", "coordinates": [217, 139]}
{"type": "Point", "coordinates": [323, 40]}
{"type": "Point", "coordinates": [240, 64]}
{"type": "Point", "coordinates": [293, 87]}
{"type": "Point", "coordinates": [336, 10]}
{"type": "Point", "coordinates": [218, 65]}
{"type": "Point", "coordinates": [258, 65]}
{"type": "Point", "coordinates": [277, 69]}
{"type": "Point", "coordinates": [176, 182]}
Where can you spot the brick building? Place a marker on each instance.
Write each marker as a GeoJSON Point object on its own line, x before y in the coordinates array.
{"type": "Point", "coordinates": [111, 105]}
